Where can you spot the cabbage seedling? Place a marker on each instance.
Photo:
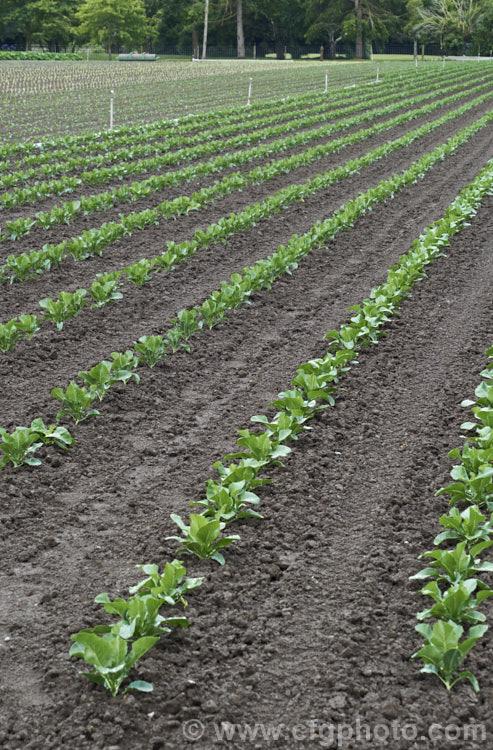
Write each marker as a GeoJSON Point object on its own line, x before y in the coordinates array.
{"type": "Point", "coordinates": [102, 376]}
{"type": "Point", "coordinates": [18, 446]}
{"type": "Point", "coordinates": [76, 402]}
{"type": "Point", "coordinates": [151, 349]}
{"type": "Point", "coordinates": [28, 324]}
{"type": "Point", "coordinates": [139, 617]}
{"type": "Point", "coordinates": [260, 448]}
{"type": "Point", "coordinates": [109, 656]}
{"type": "Point", "coordinates": [442, 652]}
{"type": "Point", "coordinates": [104, 292]}
{"type": "Point", "coordinates": [454, 566]}
{"type": "Point", "coordinates": [169, 586]}
{"type": "Point", "coordinates": [457, 603]}
{"type": "Point", "coordinates": [202, 538]}
{"type": "Point", "coordinates": [53, 435]}
{"type": "Point", "coordinates": [139, 272]}
{"type": "Point", "coordinates": [9, 333]}
{"type": "Point", "coordinates": [229, 503]}
{"type": "Point", "coordinates": [467, 526]}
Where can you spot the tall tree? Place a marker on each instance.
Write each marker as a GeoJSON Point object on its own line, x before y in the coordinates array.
{"type": "Point", "coordinates": [457, 18]}
{"type": "Point", "coordinates": [112, 23]}
{"type": "Point", "coordinates": [325, 24]}
{"type": "Point", "coordinates": [45, 22]}
{"type": "Point", "coordinates": [283, 21]}
{"type": "Point", "coordinates": [206, 27]}
{"type": "Point", "coordinates": [240, 35]}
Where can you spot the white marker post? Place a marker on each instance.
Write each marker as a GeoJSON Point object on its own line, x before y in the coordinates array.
{"type": "Point", "coordinates": [249, 93]}
{"type": "Point", "coordinates": [378, 73]}
{"type": "Point", "coordinates": [326, 81]}
{"type": "Point", "coordinates": [111, 109]}
{"type": "Point", "coordinates": [416, 62]}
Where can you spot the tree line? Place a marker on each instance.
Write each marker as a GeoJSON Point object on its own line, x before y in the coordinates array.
{"type": "Point", "coordinates": [456, 25]}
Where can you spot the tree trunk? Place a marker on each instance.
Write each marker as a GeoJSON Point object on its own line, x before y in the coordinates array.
{"type": "Point", "coordinates": [280, 50]}
{"type": "Point", "coordinates": [28, 35]}
{"type": "Point", "coordinates": [195, 44]}
{"type": "Point", "coordinates": [206, 24]}
{"type": "Point", "coordinates": [331, 52]}
{"type": "Point", "coordinates": [239, 29]}
{"type": "Point", "coordinates": [360, 50]}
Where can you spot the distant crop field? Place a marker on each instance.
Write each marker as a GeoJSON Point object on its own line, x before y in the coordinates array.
{"type": "Point", "coordinates": [56, 98]}
{"type": "Point", "coordinates": [234, 345]}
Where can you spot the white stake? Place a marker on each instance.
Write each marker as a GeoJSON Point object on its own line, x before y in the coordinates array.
{"type": "Point", "coordinates": [111, 109]}
{"type": "Point", "coordinates": [326, 81]}
{"type": "Point", "coordinates": [249, 92]}
{"type": "Point", "coordinates": [378, 72]}
{"type": "Point", "coordinates": [416, 63]}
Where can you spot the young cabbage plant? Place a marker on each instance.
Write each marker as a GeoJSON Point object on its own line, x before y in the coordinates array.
{"type": "Point", "coordinates": [228, 503]}
{"type": "Point", "coordinates": [139, 272]}
{"type": "Point", "coordinates": [110, 658]}
{"type": "Point", "coordinates": [102, 376]}
{"type": "Point", "coordinates": [455, 565]}
{"type": "Point", "coordinates": [294, 403]}
{"type": "Point", "coordinates": [468, 526]}
{"type": "Point", "coordinates": [170, 586]}
{"type": "Point", "coordinates": [186, 323]}
{"type": "Point", "coordinates": [104, 292]}
{"type": "Point", "coordinates": [124, 360]}
{"type": "Point", "coordinates": [28, 324]}
{"type": "Point", "coordinates": [67, 305]}
{"type": "Point", "coordinates": [18, 447]}
{"type": "Point", "coordinates": [25, 266]}
{"type": "Point", "coordinates": [443, 651]}
{"type": "Point", "coordinates": [174, 339]}
{"type": "Point", "coordinates": [283, 426]}
{"type": "Point", "coordinates": [473, 484]}
{"type": "Point", "coordinates": [456, 603]}
{"type": "Point", "coordinates": [315, 387]}
{"type": "Point", "coordinates": [19, 228]}
{"type": "Point", "coordinates": [76, 402]}
{"type": "Point", "coordinates": [202, 538]}
{"type": "Point", "coordinates": [9, 334]}
{"type": "Point", "coordinates": [260, 448]}
{"type": "Point", "coordinates": [52, 435]}
{"type": "Point", "coordinates": [212, 312]}
{"type": "Point", "coordinates": [151, 349]}
{"type": "Point", "coordinates": [139, 617]}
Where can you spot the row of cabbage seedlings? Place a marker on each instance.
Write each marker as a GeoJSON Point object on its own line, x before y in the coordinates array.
{"type": "Point", "coordinates": [134, 191]}
{"type": "Point", "coordinates": [92, 242]}
{"type": "Point", "coordinates": [105, 288]}
{"type": "Point", "coordinates": [111, 650]}
{"type": "Point", "coordinates": [77, 401]}
{"type": "Point", "coordinates": [69, 183]}
{"type": "Point", "coordinates": [306, 116]}
{"type": "Point", "coordinates": [41, 190]}
{"type": "Point", "coordinates": [37, 153]}
{"type": "Point", "coordinates": [456, 584]}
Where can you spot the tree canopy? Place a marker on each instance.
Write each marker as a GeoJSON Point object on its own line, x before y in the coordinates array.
{"type": "Point", "coordinates": [130, 24]}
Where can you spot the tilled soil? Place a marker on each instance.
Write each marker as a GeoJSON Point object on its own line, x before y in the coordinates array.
{"type": "Point", "coordinates": [309, 625]}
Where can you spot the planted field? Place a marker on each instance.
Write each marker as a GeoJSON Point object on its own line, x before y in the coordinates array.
{"type": "Point", "coordinates": [160, 286]}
